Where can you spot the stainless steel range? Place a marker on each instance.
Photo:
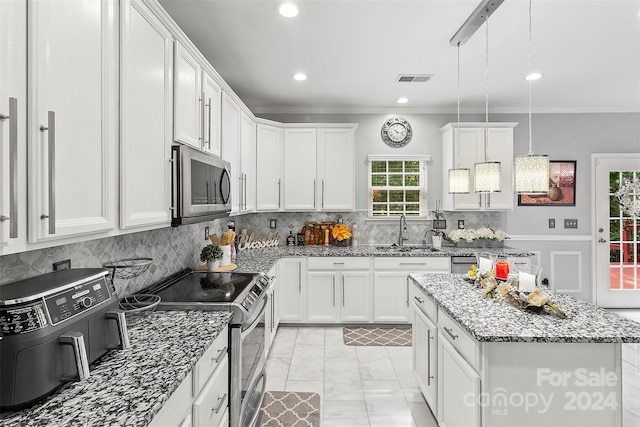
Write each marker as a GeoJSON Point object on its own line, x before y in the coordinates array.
{"type": "Point", "coordinates": [245, 294]}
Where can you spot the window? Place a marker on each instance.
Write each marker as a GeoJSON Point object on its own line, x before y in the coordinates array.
{"type": "Point", "coordinates": [397, 185]}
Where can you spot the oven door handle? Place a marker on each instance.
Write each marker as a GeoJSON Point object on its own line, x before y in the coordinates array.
{"type": "Point", "coordinates": [263, 374]}
{"type": "Point", "coordinates": [253, 321]}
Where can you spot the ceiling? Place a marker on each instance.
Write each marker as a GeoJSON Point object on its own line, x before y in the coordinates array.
{"type": "Point", "coordinates": [354, 50]}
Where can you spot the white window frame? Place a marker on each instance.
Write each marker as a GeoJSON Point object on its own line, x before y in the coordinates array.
{"type": "Point", "coordinates": [423, 159]}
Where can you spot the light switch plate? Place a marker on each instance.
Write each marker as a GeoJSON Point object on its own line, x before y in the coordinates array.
{"type": "Point", "coordinates": [552, 223]}
{"type": "Point", "coordinates": [570, 223]}
{"type": "Point", "coordinates": [461, 224]}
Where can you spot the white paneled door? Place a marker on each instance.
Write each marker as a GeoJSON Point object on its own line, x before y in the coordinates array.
{"type": "Point", "coordinates": [617, 231]}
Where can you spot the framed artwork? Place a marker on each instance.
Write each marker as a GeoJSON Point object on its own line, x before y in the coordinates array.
{"type": "Point", "coordinates": [562, 186]}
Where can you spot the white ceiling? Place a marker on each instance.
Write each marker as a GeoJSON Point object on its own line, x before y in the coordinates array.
{"type": "Point", "coordinates": [354, 50]}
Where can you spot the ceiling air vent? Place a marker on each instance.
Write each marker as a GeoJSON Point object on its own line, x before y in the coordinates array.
{"type": "Point", "coordinates": [414, 78]}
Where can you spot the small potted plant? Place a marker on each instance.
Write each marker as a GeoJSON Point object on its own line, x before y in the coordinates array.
{"type": "Point", "coordinates": [211, 254]}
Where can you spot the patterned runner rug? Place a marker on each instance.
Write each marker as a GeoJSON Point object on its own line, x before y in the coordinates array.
{"type": "Point", "coordinates": [389, 336]}
{"type": "Point", "coordinates": [289, 409]}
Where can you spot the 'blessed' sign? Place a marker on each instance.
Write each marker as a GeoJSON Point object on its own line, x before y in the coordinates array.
{"type": "Point", "coordinates": [248, 242]}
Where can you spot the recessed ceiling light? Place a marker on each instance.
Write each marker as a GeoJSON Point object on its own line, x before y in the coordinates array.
{"type": "Point", "coordinates": [402, 100]}
{"type": "Point", "coordinates": [300, 77]}
{"type": "Point", "coordinates": [534, 76]}
{"type": "Point", "coordinates": [288, 10]}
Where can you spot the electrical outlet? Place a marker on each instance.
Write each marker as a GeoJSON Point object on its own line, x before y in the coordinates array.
{"type": "Point", "coordinates": [552, 223]}
{"type": "Point", "coordinates": [273, 223]}
{"type": "Point", "coordinates": [570, 223]}
{"type": "Point", "coordinates": [206, 233]}
{"type": "Point", "coordinates": [461, 224]}
{"type": "Point", "coordinates": [62, 265]}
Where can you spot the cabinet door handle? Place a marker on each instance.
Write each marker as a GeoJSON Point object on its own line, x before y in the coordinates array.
{"type": "Point", "coordinates": [343, 291]}
{"type": "Point", "coordinates": [221, 355]}
{"type": "Point", "coordinates": [450, 332]}
{"type": "Point", "coordinates": [221, 401]}
{"type": "Point", "coordinates": [279, 193]}
{"type": "Point", "coordinates": [338, 263]}
{"type": "Point", "coordinates": [208, 106]}
{"type": "Point", "coordinates": [299, 278]}
{"type": "Point", "coordinates": [244, 192]}
{"type": "Point", "coordinates": [488, 200]}
{"type": "Point", "coordinates": [51, 128]}
{"type": "Point", "coordinates": [420, 300]}
{"type": "Point", "coordinates": [314, 193]}
{"type": "Point", "coordinates": [407, 291]}
{"type": "Point", "coordinates": [322, 195]}
{"type": "Point", "coordinates": [13, 167]}
{"type": "Point", "coordinates": [429, 377]}
{"type": "Point", "coordinates": [479, 200]}
{"type": "Point", "coordinates": [240, 190]}
{"type": "Point", "coordinates": [201, 103]}
{"type": "Point", "coordinates": [413, 263]}
{"type": "Point", "coordinates": [333, 280]}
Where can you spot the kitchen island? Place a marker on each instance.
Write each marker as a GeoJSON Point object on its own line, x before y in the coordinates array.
{"type": "Point", "coordinates": [481, 361]}
{"type": "Point", "coordinates": [129, 387]}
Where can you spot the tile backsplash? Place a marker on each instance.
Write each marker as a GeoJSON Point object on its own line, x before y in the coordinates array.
{"type": "Point", "coordinates": [173, 249]}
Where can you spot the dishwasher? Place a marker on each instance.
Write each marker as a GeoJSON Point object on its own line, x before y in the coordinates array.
{"type": "Point", "coordinates": [462, 264]}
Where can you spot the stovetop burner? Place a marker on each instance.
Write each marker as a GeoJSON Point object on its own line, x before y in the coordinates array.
{"type": "Point", "coordinates": [242, 293]}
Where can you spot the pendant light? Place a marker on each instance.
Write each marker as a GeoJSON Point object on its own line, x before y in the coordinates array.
{"type": "Point", "coordinates": [531, 172]}
{"type": "Point", "coordinates": [487, 174]}
{"type": "Point", "coordinates": [458, 177]}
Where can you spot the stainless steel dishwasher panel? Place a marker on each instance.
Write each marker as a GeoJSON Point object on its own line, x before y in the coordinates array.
{"type": "Point", "coordinates": [462, 264]}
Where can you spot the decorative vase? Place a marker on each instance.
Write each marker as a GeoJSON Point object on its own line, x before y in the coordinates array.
{"type": "Point", "coordinates": [226, 255]}
{"type": "Point", "coordinates": [555, 193]}
{"type": "Point", "coordinates": [343, 243]}
{"type": "Point", "coordinates": [213, 265]}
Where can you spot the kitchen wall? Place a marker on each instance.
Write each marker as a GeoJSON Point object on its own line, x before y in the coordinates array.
{"type": "Point", "coordinates": [564, 254]}
{"type": "Point", "coordinates": [172, 250]}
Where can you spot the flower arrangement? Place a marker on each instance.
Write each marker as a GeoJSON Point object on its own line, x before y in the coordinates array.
{"type": "Point", "coordinates": [340, 232]}
{"type": "Point", "coordinates": [509, 292]}
{"type": "Point", "coordinates": [470, 235]}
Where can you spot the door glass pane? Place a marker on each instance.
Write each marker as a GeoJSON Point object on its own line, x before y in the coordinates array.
{"type": "Point", "coordinates": [624, 237]}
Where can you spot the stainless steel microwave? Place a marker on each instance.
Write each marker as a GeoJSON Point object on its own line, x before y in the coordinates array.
{"type": "Point", "coordinates": [201, 186]}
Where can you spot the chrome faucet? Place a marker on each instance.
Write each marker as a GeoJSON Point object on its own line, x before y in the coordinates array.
{"type": "Point", "coordinates": [402, 234]}
{"type": "Point", "coordinates": [426, 234]}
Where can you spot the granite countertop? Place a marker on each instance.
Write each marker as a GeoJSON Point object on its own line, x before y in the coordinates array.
{"type": "Point", "coordinates": [262, 259]}
{"type": "Point", "coordinates": [129, 387]}
{"type": "Point", "coordinates": [492, 320]}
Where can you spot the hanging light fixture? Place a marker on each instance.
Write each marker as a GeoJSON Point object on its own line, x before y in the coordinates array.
{"type": "Point", "coordinates": [487, 174]}
{"type": "Point", "coordinates": [531, 172]}
{"type": "Point", "coordinates": [458, 177]}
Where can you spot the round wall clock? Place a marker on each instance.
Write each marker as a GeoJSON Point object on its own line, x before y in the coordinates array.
{"type": "Point", "coordinates": [396, 132]}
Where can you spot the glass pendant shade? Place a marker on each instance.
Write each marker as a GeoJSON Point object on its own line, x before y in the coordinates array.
{"type": "Point", "coordinates": [487, 177]}
{"type": "Point", "coordinates": [531, 174]}
{"type": "Point", "coordinates": [459, 181]}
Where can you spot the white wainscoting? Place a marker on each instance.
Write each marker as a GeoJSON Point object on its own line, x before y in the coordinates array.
{"type": "Point", "coordinates": [566, 271]}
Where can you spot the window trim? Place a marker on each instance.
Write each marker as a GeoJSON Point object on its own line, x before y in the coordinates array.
{"type": "Point", "coordinates": [423, 159]}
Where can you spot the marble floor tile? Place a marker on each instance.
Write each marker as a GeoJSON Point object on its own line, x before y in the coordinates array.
{"type": "Point", "coordinates": [342, 371]}
{"type": "Point", "coordinates": [305, 386]}
{"type": "Point", "coordinates": [310, 335]}
{"type": "Point", "coordinates": [285, 342]}
{"type": "Point", "coordinates": [422, 415]}
{"type": "Point", "coordinates": [381, 369]}
{"type": "Point", "coordinates": [399, 352]}
{"type": "Point", "coordinates": [343, 391]}
{"type": "Point", "coordinates": [345, 414]}
{"type": "Point", "coordinates": [404, 373]}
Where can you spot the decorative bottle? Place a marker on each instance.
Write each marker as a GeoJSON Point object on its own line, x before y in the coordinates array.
{"type": "Point", "coordinates": [354, 235]}
{"type": "Point", "coordinates": [291, 239]}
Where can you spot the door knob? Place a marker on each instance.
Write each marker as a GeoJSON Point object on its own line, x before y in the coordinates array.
{"type": "Point", "coordinates": [601, 240]}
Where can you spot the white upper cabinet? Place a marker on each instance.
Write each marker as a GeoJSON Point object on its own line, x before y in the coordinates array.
{"type": "Point", "coordinates": [318, 168]}
{"type": "Point", "coordinates": [212, 96]}
{"type": "Point", "coordinates": [268, 168]}
{"type": "Point", "coordinates": [188, 102]}
{"type": "Point", "coordinates": [465, 148]}
{"type": "Point", "coordinates": [300, 169]}
{"type": "Point", "coordinates": [13, 135]}
{"type": "Point", "coordinates": [72, 117]}
{"type": "Point", "coordinates": [145, 118]}
{"type": "Point", "coordinates": [336, 169]}
{"type": "Point", "coordinates": [230, 140]}
{"type": "Point", "coordinates": [247, 179]}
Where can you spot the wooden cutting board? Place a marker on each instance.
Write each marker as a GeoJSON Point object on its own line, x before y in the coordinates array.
{"type": "Point", "coordinates": [229, 267]}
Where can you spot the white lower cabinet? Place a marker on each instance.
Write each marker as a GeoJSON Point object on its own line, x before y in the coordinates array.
{"type": "Point", "coordinates": [338, 289]}
{"type": "Point", "coordinates": [291, 286]}
{"type": "Point", "coordinates": [391, 284]}
{"type": "Point", "coordinates": [425, 353]}
{"type": "Point", "coordinates": [459, 388]}
{"type": "Point", "coordinates": [202, 399]}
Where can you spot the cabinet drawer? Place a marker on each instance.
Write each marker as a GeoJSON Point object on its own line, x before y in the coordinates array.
{"type": "Point", "coordinates": [211, 358]}
{"type": "Point", "coordinates": [426, 304]}
{"type": "Point", "coordinates": [338, 263]}
{"type": "Point", "coordinates": [459, 338]}
{"type": "Point", "coordinates": [434, 264]}
{"type": "Point", "coordinates": [210, 406]}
